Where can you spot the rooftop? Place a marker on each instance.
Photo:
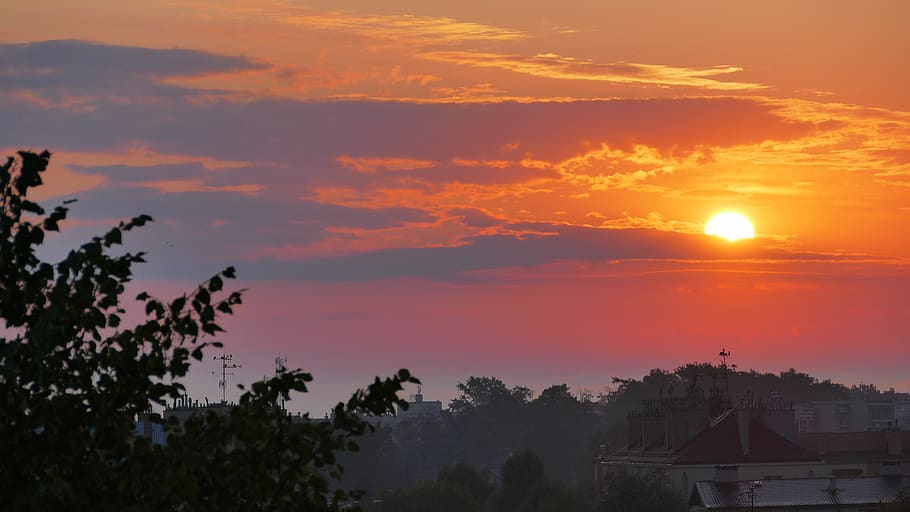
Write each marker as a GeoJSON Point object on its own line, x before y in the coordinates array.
{"type": "Point", "coordinates": [735, 437]}
{"type": "Point", "coordinates": [797, 492]}
{"type": "Point", "coordinates": [732, 440]}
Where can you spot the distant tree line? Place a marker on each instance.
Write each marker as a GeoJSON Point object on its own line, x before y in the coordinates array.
{"type": "Point", "coordinates": [489, 423]}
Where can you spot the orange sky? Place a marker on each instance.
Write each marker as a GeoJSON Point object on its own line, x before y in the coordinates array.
{"type": "Point", "coordinates": [494, 187]}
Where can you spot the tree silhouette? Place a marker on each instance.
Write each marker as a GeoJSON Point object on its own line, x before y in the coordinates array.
{"type": "Point", "coordinates": [73, 378]}
{"type": "Point", "coordinates": [640, 492]}
{"type": "Point", "coordinates": [523, 482]}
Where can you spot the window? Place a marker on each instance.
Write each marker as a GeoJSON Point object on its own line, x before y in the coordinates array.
{"type": "Point", "coordinates": [891, 468]}
{"type": "Point", "coordinates": [843, 418]}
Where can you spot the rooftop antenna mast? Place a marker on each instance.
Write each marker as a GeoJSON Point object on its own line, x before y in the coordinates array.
{"type": "Point", "coordinates": [226, 364]}
{"type": "Point", "coordinates": [724, 354]}
{"type": "Point", "coordinates": [279, 365]}
{"type": "Point", "coordinates": [280, 368]}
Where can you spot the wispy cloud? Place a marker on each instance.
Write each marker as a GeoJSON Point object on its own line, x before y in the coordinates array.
{"type": "Point", "coordinates": [388, 27]}
{"type": "Point", "coordinates": [851, 138]}
{"type": "Point", "coordinates": [405, 27]}
{"type": "Point", "coordinates": [137, 154]}
{"type": "Point", "coordinates": [551, 65]}
{"type": "Point", "coordinates": [178, 186]}
{"type": "Point", "coordinates": [370, 165]}
{"type": "Point", "coordinates": [75, 76]}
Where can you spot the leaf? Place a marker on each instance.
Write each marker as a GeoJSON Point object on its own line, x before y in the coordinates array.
{"type": "Point", "coordinates": [114, 236]}
{"type": "Point", "coordinates": [215, 284]}
{"type": "Point", "coordinates": [211, 328]}
{"type": "Point", "coordinates": [178, 304]}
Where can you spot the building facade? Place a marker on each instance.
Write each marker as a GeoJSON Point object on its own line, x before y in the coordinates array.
{"type": "Point", "coordinates": [845, 416]}
{"type": "Point", "coordinates": [693, 441]}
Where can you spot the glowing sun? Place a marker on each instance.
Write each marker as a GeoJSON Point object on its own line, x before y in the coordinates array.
{"type": "Point", "coordinates": [729, 225]}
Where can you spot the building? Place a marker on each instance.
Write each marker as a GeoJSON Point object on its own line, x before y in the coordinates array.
{"type": "Point", "coordinates": [845, 416]}
{"type": "Point", "coordinates": [150, 430]}
{"type": "Point", "coordinates": [902, 416]}
{"type": "Point", "coordinates": [419, 408]}
{"type": "Point", "coordinates": [709, 450]}
{"type": "Point", "coordinates": [181, 409]}
{"type": "Point", "coordinates": [860, 453]}
{"type": "Point", "coordinates": [856, 494]}
{"type": "Point", "coordinates": [696, 440]}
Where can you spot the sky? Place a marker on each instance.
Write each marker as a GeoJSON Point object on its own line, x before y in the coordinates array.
{"type": "Point", "coordinates": [509, 189]}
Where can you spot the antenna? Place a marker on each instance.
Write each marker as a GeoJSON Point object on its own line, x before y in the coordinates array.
{"type": "Point", "coordinates": [279, 371]}
{"type": "Point", "coordinates": [724, 354]}
{"type": "Point", "coordinates": [226, 365]}
{"type": "Point", "coordinates": [279, 365]}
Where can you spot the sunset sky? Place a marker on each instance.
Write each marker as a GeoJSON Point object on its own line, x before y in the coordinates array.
{"type": "Point", "coordinates": [515, 189]}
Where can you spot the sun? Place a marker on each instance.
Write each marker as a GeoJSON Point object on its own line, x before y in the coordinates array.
{"type": "Point", "coordinates": [731, 226]}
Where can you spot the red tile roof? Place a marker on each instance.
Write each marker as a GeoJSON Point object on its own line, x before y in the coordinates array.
{"type": "Point", "coordinates": [721, 444]}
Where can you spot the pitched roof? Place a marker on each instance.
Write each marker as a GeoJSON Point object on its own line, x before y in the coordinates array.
{"type": "Point", "coordinates": [721, 443]}
{"type": "Point", "coordinates": [795, 492]}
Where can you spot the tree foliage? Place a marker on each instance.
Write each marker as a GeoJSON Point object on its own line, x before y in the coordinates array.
{"type": "Point", "coordinates": [524, 483]}
{"type": "Point", "coordinates": [488, 392]}
{"type": "Point", "coordinates": [466, 476]}
{"type": "Point", "coordinates": [439, 495]}
{"type": "Point", "coordinates": [461, 488]}
{"type": "Point", "coordinates": [628, 491]}
{"type": "Point", "coordinates": [73, 378]}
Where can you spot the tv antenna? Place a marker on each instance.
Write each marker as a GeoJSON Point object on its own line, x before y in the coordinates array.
{"type": "Point", "coordinates": [724, 354]}
{"type": "Point", "coordinates": [226, 364]}
{"type": "Point", "coordinates": [279, 371]}
{"type": "Point", "coordinates": [279, 365]}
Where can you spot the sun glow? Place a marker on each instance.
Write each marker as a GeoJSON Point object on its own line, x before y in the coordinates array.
{"type": "Point", "coordinates": [731, 226]}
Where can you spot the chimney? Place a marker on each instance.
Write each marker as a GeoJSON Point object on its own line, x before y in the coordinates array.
{"type": "Point", "coordinates": [654, 431]}
{"type": "Point", "coordinates": [634, 435]}
{"type": "Point", "coordinates": [743, 418]}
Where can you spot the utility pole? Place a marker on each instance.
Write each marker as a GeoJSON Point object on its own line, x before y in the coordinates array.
{"type": "Point", "coordinates": [752, 486]}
